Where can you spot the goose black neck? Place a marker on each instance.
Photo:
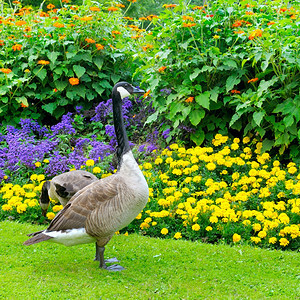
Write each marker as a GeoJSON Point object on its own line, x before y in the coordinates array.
{"type": "Point", "coordinates": [122, 139]}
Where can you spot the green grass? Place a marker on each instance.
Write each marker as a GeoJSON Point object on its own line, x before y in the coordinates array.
{"type": "Point", "coordinates": [155, 269]}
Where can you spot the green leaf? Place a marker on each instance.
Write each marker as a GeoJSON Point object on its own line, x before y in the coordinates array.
{"type": "Point", "coordinates": [267, 145]}
{"type": "Point", "coordinates": [196, 116]}
{"type": "Point", "coordinates": [258, 116]}
{"type": "Point", "coordinates": [98, 88]}
{"type": "Point", "coordinates": [175, 108]}
{"type": "Point", "coordinates": [41, 73]}
{"type": "Point", "coordinates": [203, 99]}
{"type": "Point", "coordinates": [214, 94]}
{"type": "Point", "coordinates": [115, 78]}
{"type": "Point", "coordinates": [195, 74]}
{"type": "Point", "coordinates": [49, 107]}
{"type": "Point", "coordinates": [152, 118]}
{"type": "Point", "coordinates": [198, 137]}
{"type": "Point", "coordinates": [53, 56]}
{"type": "Point", "coordinates": [231, 82]}
{"type": "Point", "coordinates": [61, 85]}
{"type": "Point", "coordinates": [22, 100]}
{"type": "Point", "coordinates": [79, 71]}
{"type": "Point", "coordinates": [288, 120]}
{"type": "Point", "coordinates": [3, 90]}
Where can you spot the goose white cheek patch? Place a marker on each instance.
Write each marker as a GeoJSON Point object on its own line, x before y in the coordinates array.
{"type": "Point", "coordinates": [123, 92]}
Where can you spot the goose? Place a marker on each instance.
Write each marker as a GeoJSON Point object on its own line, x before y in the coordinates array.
{"type": "Point", "coordinates": [100, 209]}
{"type": "Point", "coordinates": [63, 187]}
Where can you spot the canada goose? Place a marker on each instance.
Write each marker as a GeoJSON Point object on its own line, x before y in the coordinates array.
{"type": "Point", "coordinates": [63, 187]}
{"type": "Point", "coordinates": [100, 209]}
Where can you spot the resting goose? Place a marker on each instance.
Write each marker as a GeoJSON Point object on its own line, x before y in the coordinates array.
{"type": "Point", "coordinates": [100, 209]}
{"type": "Point", "coordinates": [63, 187]}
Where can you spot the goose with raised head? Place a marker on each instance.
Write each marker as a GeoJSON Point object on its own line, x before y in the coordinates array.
{"type": "Point", "coordinates": [100, 209]}
{"type": "Point", "coordinates": [63, 187]}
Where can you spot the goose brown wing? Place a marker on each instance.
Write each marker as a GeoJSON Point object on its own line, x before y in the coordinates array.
{"type": "Point", "coordinates": [69, 183]}
{"type": "Point", "coordinates": [83, 203]}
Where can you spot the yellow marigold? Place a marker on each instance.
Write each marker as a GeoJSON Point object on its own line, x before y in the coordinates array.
{"type": "Point", "coordinates": [283, 242]}
{"type": "Point", "coordinates": [144, 225]}
{"type": "Point", "coordinates": [177, 235]}
{"type": "Point", "coordinates": [272, 240]}
{"type": "Point", "coordinates": [236, 238]}
{"type": "Point", "coordinates": [74, 81]}
{"type": "Point", "coordinates": [37, 164]}
{"type": "Point", "coordinates": [57, 208]}
{"type": "Point", "coordinates": [96, 170]}
{"type": "Point", "coordinates": [208, 228]}
{"type": "Point", "coordinates": [90, 162]}
{"type": "Point", "coordinates": [210, 166]}
{"type": "Point", "coordinates": [196, 227]}
{"type": "Point", "coordinates": [213, 219]}
{"type": "Point", "coordinates": [50, 215]}
{"type": "Point", "coordinates": [6, 207]}
{"type": "Point", "coordinates": [255, 239]}
{"type": "Point", "coordinates": [164, 231]}
{"type": "Point", "coordinates": [147, 166]}
{"type": "Point", "coordinates": [256, 227]}
{"type": "Point", "coordinates": [262, 234]}
{"type": "Point", "coordinates": [40, 177]}
{"type": "Point", "coordinates": [21, 208]}
{"type": "Point", "coordinates": [139, 216]}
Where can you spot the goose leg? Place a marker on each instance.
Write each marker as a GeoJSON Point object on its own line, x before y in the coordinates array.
{"type": "Point", "coordinates": [108, 261]}
{"type": "Point", "coordinates": [103, 265]}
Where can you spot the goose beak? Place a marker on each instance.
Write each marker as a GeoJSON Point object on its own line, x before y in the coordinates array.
{"type": "Point", "coordinates": [137, 91]}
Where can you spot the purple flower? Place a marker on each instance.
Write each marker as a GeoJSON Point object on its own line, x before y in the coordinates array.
{"type": "Point", "coordinates": [165, 134]}
{"type": "Point", "coordinates": [65, 126]}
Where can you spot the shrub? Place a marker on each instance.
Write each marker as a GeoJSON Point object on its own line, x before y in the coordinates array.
{"type": "Point", "coordinates": [53, 61]}
{"type": "Point", "coordinates": [227, 66]}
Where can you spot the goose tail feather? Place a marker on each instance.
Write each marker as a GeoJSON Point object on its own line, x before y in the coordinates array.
{"type": "Point", "coordinates": [39, 237]}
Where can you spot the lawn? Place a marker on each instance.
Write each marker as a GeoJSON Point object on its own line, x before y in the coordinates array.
{"type": "Point", "coordinates": [155, 269]}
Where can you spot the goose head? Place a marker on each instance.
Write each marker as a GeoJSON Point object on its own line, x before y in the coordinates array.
{"type": "Point", "coordinates": [44, 199]}
{"type": "Point", "coordinates": [124, 89]}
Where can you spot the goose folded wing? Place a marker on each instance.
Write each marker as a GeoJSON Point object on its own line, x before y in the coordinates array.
{"type": "Point", "coordinates": [83, 203]}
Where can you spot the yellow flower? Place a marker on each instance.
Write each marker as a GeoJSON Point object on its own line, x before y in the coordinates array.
{"type": "Point", "coordinates": [139, 216]}
{"type": "Point", "coordinates": [262, 234]}
{"type": "Point", "coordinates": [37, 164]}
{"type": "Point", "coordinates": [208, 228]}
{"type": "Point", "coordinates": [96, 170]}
{"type": "Point", "coordinates": [90, 162]}
{"type": "Point", "coordinates": [57, 208]}
{"type": "Point", "coordinates": [177, 235]}
{"type": "Point", "coordinates": [236, 238]}
{"type": "Point", "coordinates": [255, 239]}
{"type": "Point", "coordinates": [164, 231]}
{"type": "Point", "coordinates": [21, 208]}
{"type": "Point", "coordinates": [210, 166]}
{"type": "Point", "coordinates": [196, 227]}
{"type": "Point", "coordinates": [40, 177]}
{"type": "Point", "coordinates": [256, 227]}
{"type": "Point", "coordinates": [144, 225]}
{"type": "Point", "coordinates": [148, 220]}
{"type": "Point", "coordinates": [147, 166]}
{"type": "Point", "coordinates": [50, 215]}
{"type": "Point", "coordinates": [272, 240]}
{"type": "Point", "coordinates": [283, 242]}
{"type": "Point", "coordinates": [213, 219]}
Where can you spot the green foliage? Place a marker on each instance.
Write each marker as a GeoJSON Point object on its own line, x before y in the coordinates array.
{"type": "Point", "coordinates": [44, 50]}
{"type": "Point", "coordinates": [241, 70]}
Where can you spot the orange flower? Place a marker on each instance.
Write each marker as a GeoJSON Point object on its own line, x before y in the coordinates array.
{"type": "Point", "coordinates": [237, 23]}
{"type": "Point", "coordinates": [99, 46]}
{"type": "Point", "coordinates": [188, 18]}
{"type": "Point", "coordinates": [169, 5]}
{"type": "Point", "coordinates": [132, 1]}
{"type": "Point", "coordinates": [55, 90]}
{"type": "Point", "coordinates": [198, 7]}
{"type": "Point", "coordinates": [249, 13]}
{"type": "Point", "coordinates": [43, 62]}
{"type": "Point", "coordinates": [94, 8]}
{"type": "Point", "coordinates": [74, 81]}
{"type": "Point", "coordinates": [161, 69]}
{"type": "Point", "coordinates": [65, 1]}
{"type": "Point", "coordinates": [189, 99]}
{"type": "Point", "coordinates": [128, 18]}
{"type": "Point", "coordinates": [50, 6]}
{"type": "Point", "coordinates": [1, 43]}
{"type": "Point", "coordinates": [235, 92]}
{"type": "Point", "coordinates": [146, 94]}
{"type": "Point", "coordinates": [23, 105]}
{"type": "Point", "coordinates": [5, 71]}
{"type": "Point", "coordinates": [255, 33]}
{"type": "Point", "coordinates": [112, 8]}
{"type": "Point", "coordinates": [239, 32]}
{"type": "Point", "coordinates": [120, 5]}
{"type": "Point", "coordinates": [16, 47]}
{"type": "Point", "coordinates": [116, 32]}
{"type": "Point", "coordinates": [189, 24]}
{"type": "Point", "coordinates": [151, 17]}
{"type": "Point", "coordinates": [293, 17]}
{"type": "Point", "coordinates": [90, 41]}
{"type": "Point", "coordinates": [145, 48]}
{"type": "Point", "coordinates": [252, 80]}
{"type": "Point", "coordinates": [58, 25]}
{"type": "Point", "coordinates": [271, 23]}
{"type": "Point", "coordinates": [89, 18]}
{"type": "Point", "coordinates": [20, 23]}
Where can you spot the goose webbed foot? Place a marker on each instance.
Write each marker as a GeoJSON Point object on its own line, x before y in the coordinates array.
{"type": "Point", "coordinates": [100, 257]}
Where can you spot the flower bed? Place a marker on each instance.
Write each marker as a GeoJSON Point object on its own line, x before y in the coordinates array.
{"type": "Point", "coordinates": [228, 192]}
